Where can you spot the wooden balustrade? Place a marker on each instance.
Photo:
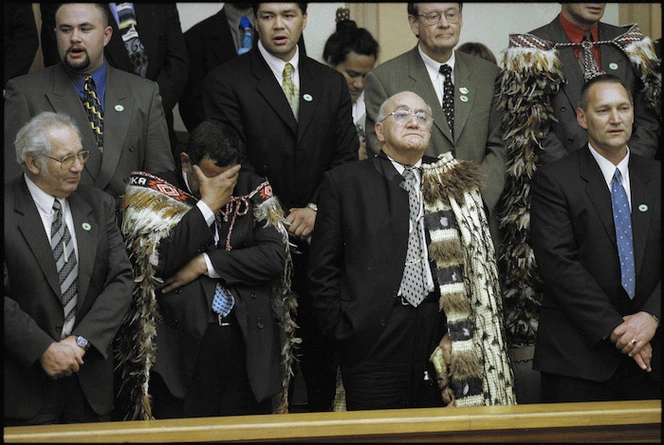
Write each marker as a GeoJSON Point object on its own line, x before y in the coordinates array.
{"type": "Point", "coordinates": [631, 421]}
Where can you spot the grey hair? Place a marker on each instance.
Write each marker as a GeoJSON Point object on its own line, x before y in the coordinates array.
{"type": "Point", "coordinates": [381, 110]}
{"type": "Point", "coordinates": [33, 138]}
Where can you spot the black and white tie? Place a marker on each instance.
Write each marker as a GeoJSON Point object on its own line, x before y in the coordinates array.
{"type": "Point", "coordinates": [448, 95]}
{"type": "Point", "coordinates": [65, 261]}
{"type": "Point", "coordinates": [412, 282]}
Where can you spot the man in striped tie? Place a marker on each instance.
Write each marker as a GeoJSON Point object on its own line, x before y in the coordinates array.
{"type": "Point", "coordinates": [67, 282]}
{"type": "Point", "coordinates": [597, 235]}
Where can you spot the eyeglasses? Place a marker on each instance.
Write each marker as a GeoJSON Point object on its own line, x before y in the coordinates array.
{"type": "Point", "coordinates": [402, 117]}
{"type": "Point", "coordinates": [451, 15]}
{"type": "Point", "coordinates": [68, 161]}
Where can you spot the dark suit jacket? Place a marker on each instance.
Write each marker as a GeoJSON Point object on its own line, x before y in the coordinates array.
{"type": "Point", "coordinates": [358, 254]}
{"type": "Point", "coordinates": [33, 309]}
{"type": "Point", "coordinates": [158, 26]}
{"type": "Point", "coordinates": [293, 155]}
{"type": "Point", "coordinates": [135, 133]}
{"type": "Point", "coordinates": [248, 270]}
{"type": "Point", "coordinates": [209, 44]}
{"type": "Point", "coordinates": [567, 135]}
{"type": "Point", "coordinates": [477, 132]}
{"type": "Point", "coordinates": [575, 247]}
{"type": "Point", "coordinates": [21, 40]}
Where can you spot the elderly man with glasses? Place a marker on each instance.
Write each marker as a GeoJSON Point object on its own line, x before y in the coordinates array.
{"type": "Point", "coordinates": [391, 275]}
{"type": "Point", "coordinates": [459, 88]}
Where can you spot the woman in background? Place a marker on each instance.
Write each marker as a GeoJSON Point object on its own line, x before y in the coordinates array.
{"type": "Point", "coordinates": [353, 52]}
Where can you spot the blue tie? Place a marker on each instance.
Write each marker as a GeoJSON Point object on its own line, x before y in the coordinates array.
{"type": "Point", "coordinates": [622, 219]}
{"type": "Point", "coordinates": [223, 301]}
{"type": "Point", "coordinates": [245, 25]}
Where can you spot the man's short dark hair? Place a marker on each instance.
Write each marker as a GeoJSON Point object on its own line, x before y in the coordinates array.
{"type": "Point", "coordinates": [413, 8]}
{"type": "Point", "coordinates": [100, 6]}
{"type": "Point", "coordinates": [301, 5]}
{"type": "Point", "coordinates": [216, 140]}
{"type": "Point", "coordinates": [603, 78]}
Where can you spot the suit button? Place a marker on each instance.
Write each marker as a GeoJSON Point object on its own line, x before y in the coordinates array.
{"type": "Point", "coordinates": [131, 148]}
{"type": "Point", "coordinates": [175, 322]}
{"type": "Point", "coordinates": [253, 296]}
{"type": "Point", "coordinates": [570, 141]}
{"type": "Point", "coordinates": [563, 109]}
{"type": "Point", "coordinates": [126, 180]}
{"type": "Point", "coordinates": [58, 330]}
{"type": "Point", "coordinates": [383, 323]}
{"type": "Point", "coordinates": [178, 291]}
{"type": "Point", "coordinates": [260, 323]}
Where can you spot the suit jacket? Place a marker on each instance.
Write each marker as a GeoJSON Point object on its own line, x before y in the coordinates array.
{"type": "Point", "coordinates": [135, 133]}
{"type": "Point", "coordinates": [575, 247]}
{"type": "Point", "coordinates": [33, 309]}
{"type": "Point", "coordinates": [158, 26]}
{"type": "Point", "coordinates": [477, 131]}
{"type": "Point", "coordinates": [358, 254]}
{"type": "Point", "coordinates": [567, 135]}
{"type": "Point", "coordinates": [248, 270]}
{"type": "Point", "coordinates": [292, 154]}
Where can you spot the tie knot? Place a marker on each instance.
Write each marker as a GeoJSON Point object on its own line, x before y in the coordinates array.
{"type": "Point", "coordinates": [288, 71]}
{"type": "Point", "coordinates": [617, 176]}
{"type": "Point", "coordinates": [446, 70]}
{"type": "Point", "coordinates": [89, 82]}
{"type": "Point", "coordinates": [244, 22]}
{"type": "Point", "coordinates": [587, 37]}
{"type": "Point", "coordinates": [57, 206]}
{"type": "Point", "coordinates": [408, 174]}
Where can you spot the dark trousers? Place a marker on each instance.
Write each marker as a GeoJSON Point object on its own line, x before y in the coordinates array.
{"type": "Point", "coordinates": [65, 403]}
{"type": "Point", "coordinates": [396, 373]}
{"type": "Point", "coordinates": [628, 383]}
{"type": "Point", "coordinates": [219, 386]}
{"type": "Point", "coordinates": [317, 353]}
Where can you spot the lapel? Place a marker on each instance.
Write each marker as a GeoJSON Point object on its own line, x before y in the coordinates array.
{"type": "Point", "coordinates": [597, 191]}
{"type": "Point", "coordinates": [572, 71]}
{"type": "Point", "coordinates": [643, 200]}
{"type": "Point", "coordinates": [65, 99]}
{"type": "Point", "coordinates": [421, 85]}
{"type": "Point", "coordinates": [612, 58]}
{"type": "Point", "coordinates": [268, 87]}
{"type": "Point", "coordinates": [86, 241]}
{"type": "Point", "coordinates": [463, 79]}
{"type": "Point", "coordinates": [118, 110]}
{"type": "Point", "coordinates": [30, 225]}
{"type": "Point", "coordinates": [397, 210]}
{"type": "Point", "coordinates": [311, 87]}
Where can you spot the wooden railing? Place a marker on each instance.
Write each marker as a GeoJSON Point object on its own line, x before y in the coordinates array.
{"type": "Point", "coordinates": [565, 422]}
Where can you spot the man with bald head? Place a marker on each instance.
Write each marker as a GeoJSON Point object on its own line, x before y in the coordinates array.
{"type": "Point", "coordinates": [385, 253]}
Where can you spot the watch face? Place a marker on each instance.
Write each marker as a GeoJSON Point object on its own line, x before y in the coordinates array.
{"type": "Point", "coordinates": [82, 342]}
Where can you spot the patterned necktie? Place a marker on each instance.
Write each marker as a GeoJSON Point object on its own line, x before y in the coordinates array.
{"type": "Point", "coordinates": [135, 49]}
{"type": "Point", "coordinates": [94, 111]}
{"type": "Point", "coordinates": [65, 262]}
{"type": "Point", "coordinates": [622, 218]}
{"type": "Point", "coordinates": [587, 60]}
{"type": "Point", "coordinates": [448, 96]}
{"type": "Point", "coordinates": [223, 300]}
{"type": "Point", "coordinates": [245, 26]}
{"type": "Point", "coordinates": [412, 282]}
{"type": "Point", "coordinates": [291, 91]}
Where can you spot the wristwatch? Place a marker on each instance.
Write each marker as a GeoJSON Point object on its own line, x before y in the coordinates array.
{"type": "Point", "coordinates": [82, 342]}
{"type": "Point", "coordinates": [312, 206]}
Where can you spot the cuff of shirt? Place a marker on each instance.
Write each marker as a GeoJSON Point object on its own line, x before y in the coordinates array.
{"type": "Point", "coordinates": [205, 211]}
{"type": "Point", "coordinates": [211, 272]}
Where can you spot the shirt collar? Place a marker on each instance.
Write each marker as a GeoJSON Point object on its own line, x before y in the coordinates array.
{"type": "Point", "coordinates": [608, 168]}
{"type": "Point", "coordinates": [276, 64]}
{"type": "Point", "coordinates": [434, 67]}
{"type": "Point", "coordinates": [233, 16]}
{"type": "Point", "coordinates": [574, 33]}
{"type": "Point", "coordinates": [400, 168]}
{"type": "Point", "coordinates": [44, 201]}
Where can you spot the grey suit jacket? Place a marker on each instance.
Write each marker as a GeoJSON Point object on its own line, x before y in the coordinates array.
{"type": "Point", "coordinates": [135, 132]}
{"type": "Point", "coordinates": [477, 131]}
{"type": "Point", "coordinates": [33, 315]}
{"type": "Point", "coordinates": [567, 135]}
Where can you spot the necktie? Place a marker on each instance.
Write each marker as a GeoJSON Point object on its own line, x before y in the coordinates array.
{"type": "Point", "coordinates": [245, 26]}
{"type": "Point", "coordinates": [65, 262]}
{"type": "Point", "coordinates": [135, 49]}
{"type": "Point", "coordinates": [448, 95]}
{"type": "Point", "coordinates": [622, 218]}
{"type": "Point", "coordinates": [94, 111]}
{"type": "Point", "coordinates": [587, 60]}
{"type": "Point", "coordinates": [223, 300]}
{"type": "Point", "coordinates": [290, 90]}
{"type": "Point", "coordinates": [412, 282]}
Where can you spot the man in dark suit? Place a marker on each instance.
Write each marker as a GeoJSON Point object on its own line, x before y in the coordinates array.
{"type": "Point", "coordinates": [134, 134]}
{"type": "Point", "coordinates": [565, 135]}
{"type": "Point", "coordinates": [158, 29]}
{"type": "Point", "coordinates": [67, 282]}
{"type": "Point", "coordinates": [598, 336]}
{"type": "Point", "coordinates": [388, 267]}
{"type": "Point", "coordinates": [211, 362]}
{"type": "Point", "coordinates": [475, 133]}
{"type": "Point", "coordinates": [292, 144]}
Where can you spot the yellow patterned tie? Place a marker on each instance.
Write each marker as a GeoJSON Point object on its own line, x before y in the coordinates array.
{"type": "Point", "coordinates": [94, 111]}
{"type": "Point", "coordinates": [291, 91]}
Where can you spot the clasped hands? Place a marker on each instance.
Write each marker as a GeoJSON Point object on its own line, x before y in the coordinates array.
{"type": "Point", "coordinates": [62, 358]}
{"type": "Point", "coordinates": [300, 223]}
{"type": "Point", "coordinates": [633, 335]}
